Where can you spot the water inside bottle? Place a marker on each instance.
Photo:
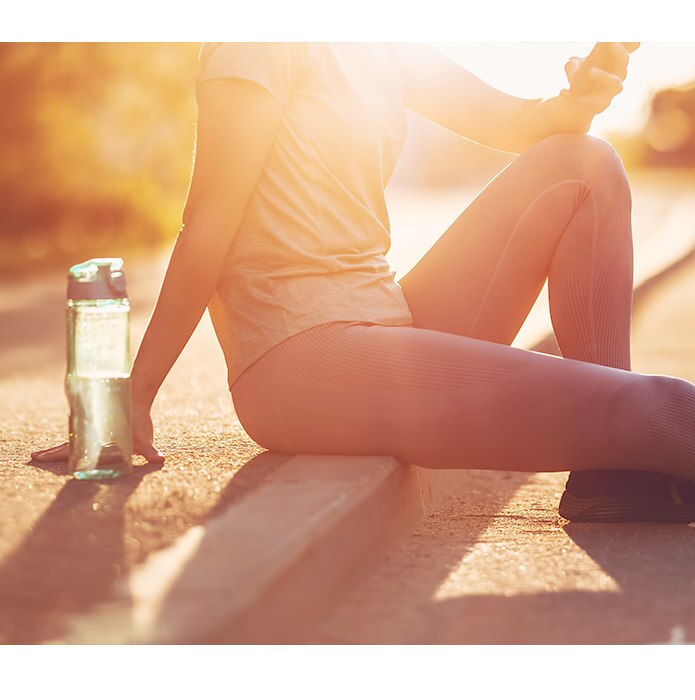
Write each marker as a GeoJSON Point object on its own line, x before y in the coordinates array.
{"type": "Point", "coordinates": [100, 438]}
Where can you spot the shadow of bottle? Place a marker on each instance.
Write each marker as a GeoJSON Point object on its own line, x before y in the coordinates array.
{"type": "Point", "coordinates": [70, 560]}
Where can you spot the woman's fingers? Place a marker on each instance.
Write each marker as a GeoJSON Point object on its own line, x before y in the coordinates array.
{"type": "Point", "coordinates": [143, 437]}
{"type": "Point", "coordinates": [150, 453]}
{"type": "Point", "coordinates": [611, 82]}
{"type": "Point", "coordinates": [142, 434]}
{"type": "Point", "coordinates": [59, 453]}
{"type": "Point", "coordinates": [612, 79]}
{"type": "Point", "coordinates": [621, 58]}
{"type": "Point", "coordinates": [608, 84]}
{"type": "Point", "coordinates": [571, 67]}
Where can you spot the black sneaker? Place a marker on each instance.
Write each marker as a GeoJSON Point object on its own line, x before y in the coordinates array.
{"type": "Point", "coordinates": [624, 496]}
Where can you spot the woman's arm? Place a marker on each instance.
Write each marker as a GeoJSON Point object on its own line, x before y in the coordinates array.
{"type": "Point", "coordinates": [446, 93]}
{"type": "Point", "coordinates": [449, 95]}
{"type": "Point", "coordinates": [237, 121]}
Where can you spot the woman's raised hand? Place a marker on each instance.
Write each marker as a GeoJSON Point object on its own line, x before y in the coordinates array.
{"type": "Point", "coordinates": [609, 82]}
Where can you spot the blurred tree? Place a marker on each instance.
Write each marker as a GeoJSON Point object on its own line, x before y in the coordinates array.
{"type": "Point", "coordinates": [667, 137]}
{"type": "Point", "coordinates": [96, 142]}
{"type": "Point", "coordinates": [670, 129]}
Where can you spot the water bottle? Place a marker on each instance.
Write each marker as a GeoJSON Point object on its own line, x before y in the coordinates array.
{"type": "Point", "coordinates": [97, 382]}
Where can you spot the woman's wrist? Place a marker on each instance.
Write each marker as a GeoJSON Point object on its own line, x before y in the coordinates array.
{"type": "Point", "coordinates": [554, 115]}
{"type": "Point", "coordinates": [141, 388]}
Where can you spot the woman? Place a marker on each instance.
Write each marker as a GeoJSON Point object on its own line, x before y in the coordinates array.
{"type": "Point", "coordinates": [285, 232]}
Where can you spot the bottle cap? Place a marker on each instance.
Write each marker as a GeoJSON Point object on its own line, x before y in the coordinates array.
{"type": "Point", "coordinates": [98, 278]}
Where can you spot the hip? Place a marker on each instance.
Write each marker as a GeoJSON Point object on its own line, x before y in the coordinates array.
{"type": "Point", "coordinates": [258, 393]}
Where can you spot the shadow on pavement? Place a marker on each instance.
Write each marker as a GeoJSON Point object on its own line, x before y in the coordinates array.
{"type": "Point", "coordinates": [562, 617]}
{"type": "Point", "coordinates": [654, 565]}
{"type": "Point", "coordinates": [70, 559]}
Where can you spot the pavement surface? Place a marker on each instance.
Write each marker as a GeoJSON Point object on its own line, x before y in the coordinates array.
{"type": "Point", "coordinates": [65, 545]}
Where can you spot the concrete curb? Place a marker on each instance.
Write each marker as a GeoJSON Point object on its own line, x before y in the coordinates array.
{"type": "Point", "coordinates": [268, 568]}
{"type": "Point", "coordinates": [274, 563]}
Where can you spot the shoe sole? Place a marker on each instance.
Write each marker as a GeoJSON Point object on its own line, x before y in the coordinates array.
{"type": "Point", "coordinates": [622, 510]}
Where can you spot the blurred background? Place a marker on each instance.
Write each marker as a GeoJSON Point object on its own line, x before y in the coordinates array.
{"type": "Point", "coordinates": [97, 142]}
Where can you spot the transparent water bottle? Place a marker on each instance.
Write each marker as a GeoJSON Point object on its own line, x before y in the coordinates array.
{"type": "Point", "coordinates": [97, 382]}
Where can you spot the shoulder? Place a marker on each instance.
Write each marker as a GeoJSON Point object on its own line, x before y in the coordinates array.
{"type": "Point", "coordinates": [260, 53]}
{"type": "Point", "coordinates": [276, 66]}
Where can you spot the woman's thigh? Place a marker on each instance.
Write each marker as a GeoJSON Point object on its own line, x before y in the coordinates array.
{"type": "Point", "coordinates": [482, 276]}
{"type": "Point", "coordinates": [436, 399]}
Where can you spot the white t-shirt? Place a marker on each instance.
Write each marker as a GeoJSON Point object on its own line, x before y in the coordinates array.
{"type": "Point", "coordinates": [312, 243]}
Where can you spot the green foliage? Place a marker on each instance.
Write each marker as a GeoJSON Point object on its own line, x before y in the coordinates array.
{"type": "Point", "coordinates": [96, 142]}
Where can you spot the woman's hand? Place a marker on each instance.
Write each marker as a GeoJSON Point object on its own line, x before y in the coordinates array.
{"type": "Point", "coordinates": [142, 432]}
{"type": "Point", "coordinates": [608, 83]}
{"type": "Point", "coordinates": [571, 112]}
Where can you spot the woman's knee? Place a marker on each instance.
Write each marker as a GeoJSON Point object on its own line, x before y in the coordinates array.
{"type": "Point", "coordinates": [649, 406]}
{"type": "Point", "coordinates": [585, 157]}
